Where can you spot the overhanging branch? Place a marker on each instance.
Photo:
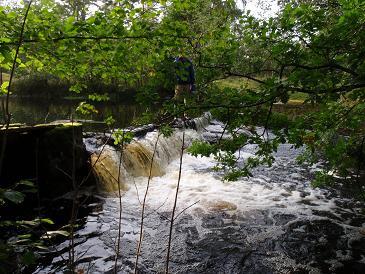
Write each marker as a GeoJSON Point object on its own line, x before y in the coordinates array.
{"type": "Point", "coordinates": [325, 66]}
{"type": "Point", "coordinates": [80, 37]}
{"type": "Point", "coordinates": [345, 88]}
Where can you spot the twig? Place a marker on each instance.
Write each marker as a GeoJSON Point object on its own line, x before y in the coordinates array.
{"type": "Point", "coordinates": [95, 38]}
{"type": "Point", "coordinates": [186, 208]}
{"type": "Point", "coordinates": [225, 127]}
{"type": "Point", "coordinates": [96, 161]}
{"type": "Point", "coordinates": [2, 98]}
{"type": "Point", "coordinates": [360, 159]}
{"type": "Point", "coordinates": [156, 209]}
{"type": "Point", "coordinates": [74, 210]}
{"type": "Point", "coordinates": [46, 117]}
{"type": "Point", "coordinates": [174, 207]}
{"type": "Point", "coordinates": [111, 175]}
{"type": "Point", "coordinates": [89, 267]}
{"type": "Point", "coordinates": [267, 121]}
{"type": "Point", "coordinates": [120, 207]}
{"type": "Point", "coordinates": [64, 173]}
{"type": "Point", "coordinates": [135, 186]}
{"type": "Point", "coordinates": [82, 254]}
{"type": "Point", "coordinates": [212, 106]}
{"type": "Point", "coordinates": [139, 246]}
{"type": "Point", "coordinates": [7, 113]}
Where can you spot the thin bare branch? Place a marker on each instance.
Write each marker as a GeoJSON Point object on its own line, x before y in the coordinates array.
{"type": "Point", "coordinates": [174, 207]}
{"type": "Point", "coordinates": [120, 207]}
{"type": "Point", "coordinates": [139, 246]}
{"type": "Point", "coordinates": [7, 113]}
{"type": "Point", "coordinates": [186, 208]}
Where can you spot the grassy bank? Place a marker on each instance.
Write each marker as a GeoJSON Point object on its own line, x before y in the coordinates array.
{"type": "Point", "coordinates": [235, 82]}
{"type": "Point", "coordinates": [238, 82]}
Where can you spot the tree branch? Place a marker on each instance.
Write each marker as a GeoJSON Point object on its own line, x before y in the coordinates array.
{"type": "Point", "coordinates": [345, 88]}
{"type": "Point", "coordinates": [7, 113]}
{"type": "Point", "coordinates": [325, 66]}
{"type": "Point", "coordinates": [80, 37]}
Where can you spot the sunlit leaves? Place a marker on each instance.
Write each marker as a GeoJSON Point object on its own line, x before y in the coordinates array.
{"type": "Point", "coordinates": [201, 148]}
{"type": "Point", "coordinates": [99, 97]}
{"type": "Point", "coordinates": [166, 130]}
{"type": "Point", "coordinates": [4, 87]}
{"type": "Point", "coordinates": [122, 137]}
{"type": "Point", "coordinates": [310, 48]}
{"type": "Point", "coordinates": [85, 108]}
{"type": "Point", "coordinates": [46, 221]}
{"type": "Point", "coordinates": [110, 121]}
{"type": "Point", "coordinates": [77, 87]}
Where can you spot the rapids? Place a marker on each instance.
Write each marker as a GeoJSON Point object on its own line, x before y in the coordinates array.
{"type": "Point", "coordinates": [274, 222]}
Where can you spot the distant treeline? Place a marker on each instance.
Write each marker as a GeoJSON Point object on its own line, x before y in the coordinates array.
{"type": "Point", "coordinates": [48, 86]}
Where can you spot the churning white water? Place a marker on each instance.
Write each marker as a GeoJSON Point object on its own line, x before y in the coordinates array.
{"type": "Point", "coordinates": [274, 222]}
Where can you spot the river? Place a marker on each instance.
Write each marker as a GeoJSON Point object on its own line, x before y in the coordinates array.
{"type": "Point", "coordinates": [273, 222]}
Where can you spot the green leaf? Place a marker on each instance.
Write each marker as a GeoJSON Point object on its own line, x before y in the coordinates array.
{"type": "Point", "coordinates": [85, 108]}
{"type": "Point", "coordinates": [29, 258]}
{"type": "Point", "coordinates": [47, 221]}
{"type": "Point", "coordinates": [27, 223]}
{"type": "Point", "coordinates": [110, 121]}
{"type": "Point", "coordinates": [24, 236]}
{"type": "Point", "coordinates": [26, 183]}
{"type": "Point", "coordinates": [122, 137]}
{"type": "Point", "coordinates": [166, 130]}
{"type": "Point", "coordinates": [77, 88]}
{"type": "Point", "coordinates": [14, 196]}
{"type": "Point", "coordinates": [99, 97]}
{"type": "Point", "coordinates": [55, 233]}
{"type": "Point", "coordinates": [41, 247]}
{"type": "Point", "coordinates": [201, 148]}
{"type": "Point", "coordinates": [4, 87]}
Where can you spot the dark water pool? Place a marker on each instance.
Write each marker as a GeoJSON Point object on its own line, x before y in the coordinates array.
{"type": "Point", "coordinates": [34, 111]}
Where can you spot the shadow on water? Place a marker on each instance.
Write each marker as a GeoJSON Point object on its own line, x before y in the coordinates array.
{"type": "Point", "coordinates": [35, 111]}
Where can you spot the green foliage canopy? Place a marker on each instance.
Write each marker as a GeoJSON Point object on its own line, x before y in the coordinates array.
{"type": "Point", "coordinates": [311, 47]}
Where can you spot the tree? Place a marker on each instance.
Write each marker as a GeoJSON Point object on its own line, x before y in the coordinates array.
{"type": "Point", "coordinates": [314, 51]}
{"type": "Point", "coordinates": [311, 47]}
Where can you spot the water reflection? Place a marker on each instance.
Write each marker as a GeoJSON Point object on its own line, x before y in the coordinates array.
{"type": "Point", "coordinates": [34, 111]}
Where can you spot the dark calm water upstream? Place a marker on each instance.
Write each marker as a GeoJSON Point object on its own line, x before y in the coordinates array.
{"type": "Point", "coordinates": [34, 111]}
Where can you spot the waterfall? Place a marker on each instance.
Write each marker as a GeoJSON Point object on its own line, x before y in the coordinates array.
{"type": "Point", "coordinates": [202, 121]}
{"type": "Point", "coordinates": [137, 156]}
{"type": "Point", "coordinates": [106, 170]}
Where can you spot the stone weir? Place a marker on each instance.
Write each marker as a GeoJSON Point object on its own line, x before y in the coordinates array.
{"type": "Point", "coordinates": [43, 154]}
{"type": "Point", "coordinates": [109, 163]}
{"type": "Point", "coordinates": [46, 155]}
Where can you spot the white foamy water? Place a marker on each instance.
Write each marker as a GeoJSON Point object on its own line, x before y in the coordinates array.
{"type": "Point", "coordinates": [203, 189]}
